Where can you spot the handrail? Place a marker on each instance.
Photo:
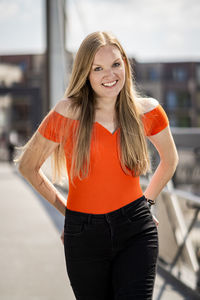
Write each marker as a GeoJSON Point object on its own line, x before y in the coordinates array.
{"type": "Point", "coordinates": [171, 210]}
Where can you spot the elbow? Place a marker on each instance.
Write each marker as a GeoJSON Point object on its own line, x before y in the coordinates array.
{"type": "Point", "coordinates": [26, 170]}
{"type": "Point", "coordinates": [22, 168]}
{"type": "Point", "coordinates": [170, 163]}
{"type": "Point", "coordinates": [176, 160]}
{"type": "Point", "coordinates": [173, 163]}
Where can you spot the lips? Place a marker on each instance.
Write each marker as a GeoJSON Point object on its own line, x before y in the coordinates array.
{"type": "Point", "coordinates": [110, 84]}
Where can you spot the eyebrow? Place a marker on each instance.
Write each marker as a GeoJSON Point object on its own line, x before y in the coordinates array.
{"type": "Point", "coordinates": [112, 62]}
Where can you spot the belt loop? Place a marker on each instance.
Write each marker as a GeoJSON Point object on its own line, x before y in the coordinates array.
{"type": "Point", "coordinates": [107, 217]}
{"type": "Point", "coordinates": [123, 211]}
{"type": "Point", "coordinates": [89, 218]}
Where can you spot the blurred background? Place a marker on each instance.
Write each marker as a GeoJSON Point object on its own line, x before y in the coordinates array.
{"type": "Point", "coordinates": [37, 49]}
{"type": "Point", "coordinates": [39, 39]}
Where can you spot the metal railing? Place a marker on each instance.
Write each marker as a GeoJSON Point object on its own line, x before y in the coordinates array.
{"type": "Point", "coordinates": [179, 234]}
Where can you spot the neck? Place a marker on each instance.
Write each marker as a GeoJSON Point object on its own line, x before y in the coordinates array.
{"type": "Point", "coordinates": [106, 104]}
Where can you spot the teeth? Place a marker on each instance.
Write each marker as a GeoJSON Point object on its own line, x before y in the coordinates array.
{"type": "Point", "coordinates": [110, 83]}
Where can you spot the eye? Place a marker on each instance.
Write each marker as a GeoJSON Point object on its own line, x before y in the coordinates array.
{"type": "Point", "coordinates": [97, 69]}
{"type": "Point", "coordinates": [117, 64]}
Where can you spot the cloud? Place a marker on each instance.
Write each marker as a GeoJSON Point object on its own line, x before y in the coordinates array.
{"type": "Point", "coordinates": [147, 28]}
{"type": "Point", "coordinates": [8, 10]}
{"type": "Point", "coordinates": [21, 26]}
{"type": "Point", "coordinates": [18, 9]}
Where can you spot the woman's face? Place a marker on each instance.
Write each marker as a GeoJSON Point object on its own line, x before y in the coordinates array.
{"type": "Point", "coordinates": [107, 75]}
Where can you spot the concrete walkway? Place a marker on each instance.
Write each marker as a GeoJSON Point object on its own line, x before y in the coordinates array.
{"type": "Point", "coordinates": [32, 265]}
{"type": "Point", "coordinates": [32, 262]}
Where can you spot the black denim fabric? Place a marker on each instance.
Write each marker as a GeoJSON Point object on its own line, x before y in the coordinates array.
{"type": "Point", "coordinates": [112, 256]}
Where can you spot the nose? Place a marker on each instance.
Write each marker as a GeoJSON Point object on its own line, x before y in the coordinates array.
{"type": "Point", "coordinates": [109, 73]}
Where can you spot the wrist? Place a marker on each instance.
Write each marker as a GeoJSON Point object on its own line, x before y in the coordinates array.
{"type": "Point", "coordinates": [150, 202]}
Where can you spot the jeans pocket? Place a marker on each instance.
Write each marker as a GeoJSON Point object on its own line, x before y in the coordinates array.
{"type": "Point", "coordinates": [73, 229]}
{"type": "Point", "coordinates": [74, 225]}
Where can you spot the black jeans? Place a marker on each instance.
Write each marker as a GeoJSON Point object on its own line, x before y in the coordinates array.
{"type": "Point", "coordinates": [112, 256]}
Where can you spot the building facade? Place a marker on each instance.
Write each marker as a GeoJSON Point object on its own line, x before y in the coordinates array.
{"type": "Point", "coordinates": [22, 94]}
{"type": "Point", "coordinates": [177, 87]}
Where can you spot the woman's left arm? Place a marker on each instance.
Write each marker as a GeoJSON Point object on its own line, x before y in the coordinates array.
{"type": "Point", "coordinates": [164, 143]}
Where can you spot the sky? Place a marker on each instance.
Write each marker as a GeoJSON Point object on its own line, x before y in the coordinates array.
{"type": "Point", "coordinates": [149, 30]}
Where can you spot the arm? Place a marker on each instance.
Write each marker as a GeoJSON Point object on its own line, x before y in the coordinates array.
{"type": "Point", "coordinates": [31, 161]}
{"type": "Point", "coordinates": [164, 143]}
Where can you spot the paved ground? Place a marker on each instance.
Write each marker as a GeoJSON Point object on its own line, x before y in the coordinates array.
{"type": "Point", "coordinates": [32, 265]}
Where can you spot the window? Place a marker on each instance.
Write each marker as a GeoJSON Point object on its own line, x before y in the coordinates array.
{"type": "Point", "coordinates": [153, 74]}
{"type": "Point", "coordinates": [171, 100]}
{"type": "Point", "coordinates": [184, 100]}
{"type": "Point", "coordinates": [179, 74]}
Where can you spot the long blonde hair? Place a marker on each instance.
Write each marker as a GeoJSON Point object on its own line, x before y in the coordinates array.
{"type": "Point", "coordinates": [132, 146]}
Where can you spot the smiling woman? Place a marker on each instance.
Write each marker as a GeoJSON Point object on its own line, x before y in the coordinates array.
{"type": "Point", "coordinates": [99, 132]}
{"type": "Point", "coordinates": [107, 75]}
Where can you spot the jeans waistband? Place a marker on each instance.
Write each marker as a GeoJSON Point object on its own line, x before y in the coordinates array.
{"type": "Point", "coordinates": [108, 216]}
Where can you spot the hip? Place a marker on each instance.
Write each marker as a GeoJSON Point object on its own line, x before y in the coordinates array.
{"type": "Point", "coordinates": [132, 222]}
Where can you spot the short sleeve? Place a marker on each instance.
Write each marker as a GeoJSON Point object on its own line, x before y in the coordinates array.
{"type": "Point", "coordinates": [155, 121]}
{"type": "Point", "coordinates": [52, 127]}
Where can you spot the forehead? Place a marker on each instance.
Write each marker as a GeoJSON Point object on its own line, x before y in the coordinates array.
{"type": "Point", "coordinates": [107, 53]}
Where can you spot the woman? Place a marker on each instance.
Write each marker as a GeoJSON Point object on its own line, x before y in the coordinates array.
{"type": "Point", "coordinates": [99, 132]}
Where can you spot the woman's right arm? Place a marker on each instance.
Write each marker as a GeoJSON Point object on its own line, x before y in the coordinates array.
{"type": "Point", "coordinates": [30, 163]}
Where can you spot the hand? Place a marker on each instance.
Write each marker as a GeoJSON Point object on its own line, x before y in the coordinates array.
{"type": "Point", "coordinates": [155, 220]}
{"type": "Point", "coordinates": [62, 237]}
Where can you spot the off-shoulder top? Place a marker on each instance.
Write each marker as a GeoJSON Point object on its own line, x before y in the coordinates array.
{"type": "Point", "coordinates": [107, 186]}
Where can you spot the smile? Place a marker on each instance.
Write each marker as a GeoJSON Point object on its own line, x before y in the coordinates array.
{"type": "Point", "coordinates": [110, 84]}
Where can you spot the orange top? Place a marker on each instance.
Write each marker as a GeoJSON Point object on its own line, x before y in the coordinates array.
{"type": "Point", "coordinates": [107, 187]}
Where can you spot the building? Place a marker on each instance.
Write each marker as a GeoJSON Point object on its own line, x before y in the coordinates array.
{"type": "Point", "coordinates": [176, 86]}
{"type": "Point", "coordinates": [22, 94]}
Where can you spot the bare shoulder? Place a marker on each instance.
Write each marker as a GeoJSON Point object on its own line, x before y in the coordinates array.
{"type": "Point", "coordinates": [147, 104]}
{"type": "Point", "coordinates": [64, 108]}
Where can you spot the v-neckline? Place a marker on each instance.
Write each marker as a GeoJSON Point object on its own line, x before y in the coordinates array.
{"type": "Point", "coordinates": [105, 129]}
{"type": "Point", "coordinates": [111, 133]}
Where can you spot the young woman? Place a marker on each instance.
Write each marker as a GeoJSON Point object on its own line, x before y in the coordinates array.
{"type": "Point", "coordinates": [99, 133]}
